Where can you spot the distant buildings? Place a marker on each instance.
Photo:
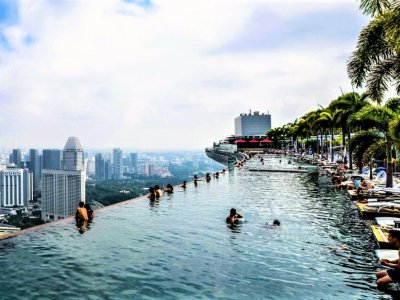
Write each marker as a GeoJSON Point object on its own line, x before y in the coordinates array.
{"type": "Point", "coordinates": [252, 124]}
{"type": "Point", "coordinates": [62, 190]}
{"type": "Point", "coordinates": [15, 187]}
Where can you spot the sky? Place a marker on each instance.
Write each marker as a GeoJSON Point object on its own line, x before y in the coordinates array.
{"type": "Point", "coordinates": [165, 74]}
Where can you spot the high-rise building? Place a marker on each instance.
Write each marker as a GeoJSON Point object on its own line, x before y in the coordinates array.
{"type": "Point", "coordinates": [73, 157]}
{"type": "Point", "coordinates": [51, 159]}
{"type": "Point", "coordinates": [149, 169]}
{"type": "Point", "coordinates": [133, 162]}
{"type": "Point", "coordinates": [61, 193]}
{"type": "Point", "coordinates": [100, 167]}
{"type": "Point", "coordinates": [118, 167]}
{"type": "Point", "coordinates": [108, 170]}
{"type": "Point", "coordinates": [252, 124]}
{"type": "Point", "coordinates": [16, 157]}
{"type": "Point", "coordinates": [15, 187]}
{"type": "Point", "coordinates": [62, 190]}
{"type": "Point", "coordinates": [34, 168]}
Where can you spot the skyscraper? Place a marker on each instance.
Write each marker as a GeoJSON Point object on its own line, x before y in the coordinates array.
{"type": "Point", "coordinates": [117, 164]}
{"type": "Point", "coordinates": [133, 162]}
{"type": "Point", "coordinates": [62, 190]}
{"type": "Point", "coordinates": [73, 155]}
{"type": "Point", "coordinates": [51, 159]}
{"type": "Point", "coordinates": [16, 157]}
{"type": "Point", "coordinates": [108, 170]}
{"type": "Point", "coordinates": [149, 169]}
{"type": "Point", "coordinates": [100, 167]}
{"type": "Point", "coordinates": [34, 167]}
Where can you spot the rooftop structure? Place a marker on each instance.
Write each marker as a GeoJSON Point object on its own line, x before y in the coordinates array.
{"type": "Point", "coordinates": [252, 124]}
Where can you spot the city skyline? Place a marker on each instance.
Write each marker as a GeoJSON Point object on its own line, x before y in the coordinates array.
{"type": "Point", "coordinates": [166, 75]}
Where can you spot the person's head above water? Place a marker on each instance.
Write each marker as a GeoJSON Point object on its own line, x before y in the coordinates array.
{"type": "Point", "coordinates": [276, 223]}
{"type": "Point", "coordinates": [232, 212]}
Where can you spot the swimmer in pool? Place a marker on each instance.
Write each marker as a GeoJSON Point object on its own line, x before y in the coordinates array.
{"type": "Point", "coordinates": [233, 218]}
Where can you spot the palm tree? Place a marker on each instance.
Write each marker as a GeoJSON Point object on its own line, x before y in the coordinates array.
{"type": "Point", "coordinates": [364, 144]}
{"type": "Point", "coordinates": [379, 118]}
{"type": "Point", "coordinates": [344, 107]}
{"type": "Point", "coordinates": [326, 120]}
{"type": "Point", "coordinates": [376, 60]}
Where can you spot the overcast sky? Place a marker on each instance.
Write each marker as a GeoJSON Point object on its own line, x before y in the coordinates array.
{"type": "Point", "coordinates": [165, 74]}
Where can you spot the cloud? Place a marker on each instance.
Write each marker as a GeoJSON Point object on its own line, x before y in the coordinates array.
{"type": "Point", "coordinates": [166, 74]}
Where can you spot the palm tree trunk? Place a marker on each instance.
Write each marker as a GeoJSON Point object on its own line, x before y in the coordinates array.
{"type": "Point", "coordinates": [349, 151]}
{"type": "Point", "coordinates": [344, 143]}
{"type": "Point", "coordinates": [389, 169]}
{"type": "Point", "coordinates": [332, 158]}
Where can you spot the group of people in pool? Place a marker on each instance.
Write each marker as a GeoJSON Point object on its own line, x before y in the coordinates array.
{"type": "Point", "coordinates": [84, 214]}
{"type": "Point", "coordinates": [156, 192]}
{"type": "Point", "coordinates": [234, 219]}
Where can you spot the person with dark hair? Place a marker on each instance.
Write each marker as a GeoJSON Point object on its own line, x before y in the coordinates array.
{"type": "Point", "coordinates": [276, 223]}
{"type": "Point", "coordinates": [195, 180]}
{"type": "Point", "coordinates": [158, 191]}
{"type": "Point", "coordinates": [393, 274]}
{"type": "Point", "coordinates": [208, 177]}
{"type": "Point", "coordinates": [81, 215]}
{"type": "Point", "coordinates": [90, 212]}
{"type": "Point", "coordinates": [183, 185]}
{"type": "Point", "coordinates": [169, 189]}
{"type": "Point", "coordinates": [152, 194]}
{"type": "Point", "coordinates": [233, 218]}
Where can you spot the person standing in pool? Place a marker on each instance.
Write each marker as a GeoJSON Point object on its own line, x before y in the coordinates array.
{"type": "Point", "coordinates": [393, 274]}
{"type": "Point", "coordinates": [183, 185]}
{"type": "Point", "coordinates": [81, 215]}
{"type": "Point", "coordinates": [233, 218]}
{"type": "Point", "coordinates": [152, 194]}
{"type": "Point", "coordinates": [169, 189]}
{"type": "Point", "coordinates": [195, 180]}
{"type": "Point", "coordinates": [159, 192]}
{"type": "Point", "coordinates": [89, 211]}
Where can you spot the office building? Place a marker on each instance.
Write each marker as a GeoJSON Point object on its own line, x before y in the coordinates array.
{"type": "Point", "coordinates": [62, 190]}
{"type": "Point", "coordinates": [73, 157]}
{"type": "Point", "coordinates": [16, 157]}
{"type": "Point", "coordinates": [117, 164]}
{"type": "Point", "coordinates": [51, 159]}
{"type": "Point", "coordinates": [100, 167]}
{"type": "Point", "coordinates": [255, 124]}
{"type": "Point", "coordinates": [149, 169]}
{"type": "Point", "coordinates": [133, 162]}
{"type": "Point", "coordinates": [34, 168]}
{"type": "Point", "coordinates": [108, 170]}
{"type": "Point", "coordinates": [15, 187]}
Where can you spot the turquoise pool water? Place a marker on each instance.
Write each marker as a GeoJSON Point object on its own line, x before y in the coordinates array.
{"type": "Point", "coordinates": [181, 248]}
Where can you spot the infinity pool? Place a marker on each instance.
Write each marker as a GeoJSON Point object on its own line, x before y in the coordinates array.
{"type": "Point", "coordinates": [181, 248]}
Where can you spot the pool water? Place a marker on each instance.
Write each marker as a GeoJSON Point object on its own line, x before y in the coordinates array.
{"type": "Point", "coordinates": [181, 248]}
